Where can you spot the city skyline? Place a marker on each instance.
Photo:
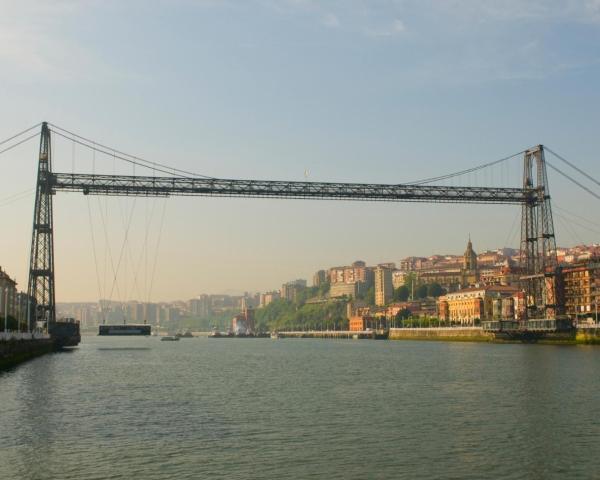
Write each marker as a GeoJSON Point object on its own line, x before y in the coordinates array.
{"type": "Point", "coordinates": [249, 292]}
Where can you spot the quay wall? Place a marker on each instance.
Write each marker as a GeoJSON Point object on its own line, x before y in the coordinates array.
{"type": "Point", "coordinates": [339, 334]}
{"type": "Point", "coordinates": [585, 335]}
{"type": "Point", "coordinates": [18, 348]}
{"type": "Point", "coordinates": [454, 334]}
{"type": "Point", "coordinates": [588, 335]}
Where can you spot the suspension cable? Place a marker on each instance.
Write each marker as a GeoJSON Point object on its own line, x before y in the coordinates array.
{"type": "Point", "coordinates": [20, 133]}
{"type": "Point", "coordinates": [579, 224]}
{"type": "Point", "coordinates": [463, 172]}
{"type": "Point", "coordinates": [110, 257]}
{"type": "Point", "coordinates": [574, 167]}
{"type": "Point", "coordinates": [573, 214]}
{"type": "Point", "coordinates": [19, 143]}
{"type": "Point", "coordinates": [513, 230]}
{"type": "Point", "coordinates": [568, 177]}
{"type": "Point", "coordinates": [114, 155]}
{"type": "Point", "coordinates": [160, 232]}
{"type": "Point", "coordinates": [96, 261]}
{"type": "Point", "coordinates": [122, 251]}
{"type": "Point", "coordinates": [16, 197]}
{"type": "Point", "coordinates": [132, 158]}
{"type": "Point", "coordinates": [568, 227]}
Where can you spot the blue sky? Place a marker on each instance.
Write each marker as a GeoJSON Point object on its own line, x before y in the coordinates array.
{"type": "Point", "coordinates": [378, 91]}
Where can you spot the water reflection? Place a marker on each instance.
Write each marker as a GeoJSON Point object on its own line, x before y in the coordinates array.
{"type": "Point", "coordinates": [140, 408]}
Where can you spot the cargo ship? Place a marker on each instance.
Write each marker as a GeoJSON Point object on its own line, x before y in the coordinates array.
{"type": "Point", "coordinates": [126, 329]}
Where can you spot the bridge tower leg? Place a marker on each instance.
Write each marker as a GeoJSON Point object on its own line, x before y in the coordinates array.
{"type": "Point", "coordinates": [40, 290]}
{"type": "Point", "coordinates": [542, 278]}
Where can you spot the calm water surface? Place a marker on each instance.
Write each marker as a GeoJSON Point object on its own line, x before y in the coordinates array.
{"type": "Point", "coordinates": [295, 409]}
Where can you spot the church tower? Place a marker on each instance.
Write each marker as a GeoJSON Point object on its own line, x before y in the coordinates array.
{"type": "Point", "coordinates": [470, 273]}
{"type": "Point", "coordinates": [470, 258]}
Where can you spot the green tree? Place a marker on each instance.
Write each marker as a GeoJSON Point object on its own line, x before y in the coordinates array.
{"type": "Point", "coordinates": [434, 290]}
{"type": "Point", "coordinates": [369, 297]}
{"type": "Point", "coordinates": [284, 315]}
{"type": "Point", "coordinates": [403, 314]}
{"type": "Point", "coordinates": [401, 294]}
{"type": "Point", "coordinates": [410, 282]}
{"type": "Point", "coordinates": [421, 291]}
{"type": "Point", "coordinates": [324, 289]}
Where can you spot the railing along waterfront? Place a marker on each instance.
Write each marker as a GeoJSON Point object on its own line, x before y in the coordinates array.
{"type": "Point", "coordinates": [7, 336]}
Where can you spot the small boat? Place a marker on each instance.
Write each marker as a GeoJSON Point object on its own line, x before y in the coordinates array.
{"type": "Point", "coordinates": [170, 338]}
{"type": "Point", "coordinates": [186, 334]}
{"type": "Point", "coordinates": [274, 335]}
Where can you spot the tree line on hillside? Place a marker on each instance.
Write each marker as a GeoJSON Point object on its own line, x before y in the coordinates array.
{"type": "Point", "coordinates": [282, 314]}
{"type": "Point", "coordinates": [403, 293]}
{"type": "Point", "coordinates": [322, 313]}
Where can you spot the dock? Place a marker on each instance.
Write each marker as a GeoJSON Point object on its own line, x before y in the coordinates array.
{"type": "Point", "coordinates": [16, 347]}
{"type": "Point", "coordinates": [337, 334]}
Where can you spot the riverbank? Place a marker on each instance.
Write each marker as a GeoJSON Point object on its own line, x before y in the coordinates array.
{"type": "Point", "coordinates": [336, 334]}
{"type": "Point", "coordinates": [16, 348]}
{"type": "Point", "coordinates": [588, 335]}
{"type": "Point", "coordinates": [579, 336]}
{"type": "Point", "coordinates": [442, 334]}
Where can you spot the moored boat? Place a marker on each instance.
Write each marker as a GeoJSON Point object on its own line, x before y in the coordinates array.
{"type": "Point", "coordinates": [215, 333]}
{"type": "Point", "coordinates": [186, 334]}
{"type": "Point", "coordinates": [170, 338]}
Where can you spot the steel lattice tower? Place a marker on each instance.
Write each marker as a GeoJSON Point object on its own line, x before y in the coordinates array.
{"type": "Point", "coordinates": [40, 289]}
{"type": "Point", "coordinates": [541, 276]}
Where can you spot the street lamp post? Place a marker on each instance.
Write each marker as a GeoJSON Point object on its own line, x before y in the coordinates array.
{"type": "Point", "coordinates": [5, 309]}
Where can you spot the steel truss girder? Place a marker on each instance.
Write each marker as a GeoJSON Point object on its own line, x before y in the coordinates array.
{"type": "Point", "coordinates": [93, 184]}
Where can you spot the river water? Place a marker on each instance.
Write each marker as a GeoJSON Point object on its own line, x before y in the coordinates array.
{"type": "Point", "coordinates": [124, 408]}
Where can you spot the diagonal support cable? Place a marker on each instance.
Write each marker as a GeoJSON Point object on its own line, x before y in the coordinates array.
{"type": "Point", "coordinates": [574, 167]}
{"type": "Point", "coordinates": [568, 177]}
{"type": "Point", "coordinates": [19, 134]}
{"type": "Point", "coordinates": [19, 143]}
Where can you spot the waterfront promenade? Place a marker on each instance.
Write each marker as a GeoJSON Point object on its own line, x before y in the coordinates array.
{"type": "Point", "coordinates": [341, 334]}
{"type": "Point", "coordinates": [17, 347]}
{"type": "Point", "coordinates": [586, 334]}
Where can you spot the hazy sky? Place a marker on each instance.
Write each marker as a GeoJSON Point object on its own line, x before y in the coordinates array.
{"type": "Point", "coordinates": [369, 91]}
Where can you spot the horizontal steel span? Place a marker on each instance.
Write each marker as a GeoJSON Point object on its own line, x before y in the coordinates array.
{"type": "Point", "coordinates": [91, 184]}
